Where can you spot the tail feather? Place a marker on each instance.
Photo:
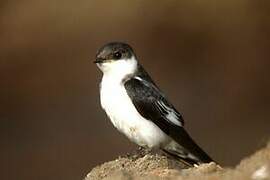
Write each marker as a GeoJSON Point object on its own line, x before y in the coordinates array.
{"type": "Point", "coordinates": [188, 162]}
{"type": "Point", "coordinates": [186, 149]}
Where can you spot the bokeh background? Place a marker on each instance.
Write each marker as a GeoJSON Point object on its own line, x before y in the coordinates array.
{"type": "Point", "coordinates": [211, 58]}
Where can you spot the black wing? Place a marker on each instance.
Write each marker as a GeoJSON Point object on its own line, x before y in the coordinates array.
{"type": "Point", "coordinates": [152, 105]}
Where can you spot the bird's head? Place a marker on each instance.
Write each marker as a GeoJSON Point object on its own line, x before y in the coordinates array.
{"type": "Point", "coordinates": [116, 58]}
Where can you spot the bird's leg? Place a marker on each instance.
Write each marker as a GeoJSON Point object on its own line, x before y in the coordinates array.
{"type": "Point", "coordinates": [141, 152]}
{"type": "Point", "coordinates": [140, 148]}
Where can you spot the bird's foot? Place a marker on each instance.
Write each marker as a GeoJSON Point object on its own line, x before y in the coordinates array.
{"type": "Point", "coordinates": [140, 152]}
{"type": "Point", "coordinates": [143, 150]}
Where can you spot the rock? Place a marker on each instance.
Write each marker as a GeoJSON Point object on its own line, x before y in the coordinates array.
{"type": "Point", "coordinates": [158, 166]}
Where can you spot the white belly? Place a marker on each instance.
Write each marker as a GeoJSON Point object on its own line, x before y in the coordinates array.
{"type": "Point", "coordinates": [124, 116]}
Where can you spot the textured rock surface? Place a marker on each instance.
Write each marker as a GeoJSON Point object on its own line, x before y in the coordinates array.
{"type": "Point", "coordinates": [150, 167]}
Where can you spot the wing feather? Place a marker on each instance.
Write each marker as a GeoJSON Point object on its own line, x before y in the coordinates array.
{"type": "Point", "coordinates": [151, 102]}
{"type": "Point", "coordinates": [153, 106]}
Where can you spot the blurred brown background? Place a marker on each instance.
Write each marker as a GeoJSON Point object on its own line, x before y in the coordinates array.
{"type": "Point", "coordinates": [210, 58]}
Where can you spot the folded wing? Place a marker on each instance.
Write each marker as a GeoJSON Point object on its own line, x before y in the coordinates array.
{"type": "Point", "coordinates": [152, 105]}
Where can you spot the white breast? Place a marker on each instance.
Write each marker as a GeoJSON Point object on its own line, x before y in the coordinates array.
{"type": "Point", "coordinates": [124, 116]}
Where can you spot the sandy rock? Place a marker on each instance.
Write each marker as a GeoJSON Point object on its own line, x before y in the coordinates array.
{"type": "Point", "coordinates": [150, 167]}
{"type": "Point", "coordinates": [149, 164]}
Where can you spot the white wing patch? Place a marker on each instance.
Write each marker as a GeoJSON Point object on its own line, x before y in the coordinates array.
{"type": "Point", "coordinates": [171, 114]}
{"type": "Point", "coordinates": [138, 78]}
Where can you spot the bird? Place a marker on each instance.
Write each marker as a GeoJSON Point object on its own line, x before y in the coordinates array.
{"type": "Point", "coordinates": [139, 109]}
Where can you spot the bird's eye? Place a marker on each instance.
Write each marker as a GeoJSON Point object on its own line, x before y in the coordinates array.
{"type": "Point", "coordinates": [117, 55]}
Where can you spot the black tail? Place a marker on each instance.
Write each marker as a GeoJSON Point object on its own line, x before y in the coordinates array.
{"type": "Point", "coordinates": [187, 161]}
{"type": "Point", "coordinates": [189, 152]}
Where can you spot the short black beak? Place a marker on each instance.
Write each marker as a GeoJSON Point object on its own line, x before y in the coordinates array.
{"type": "Point", "coordinates": [98, 60]}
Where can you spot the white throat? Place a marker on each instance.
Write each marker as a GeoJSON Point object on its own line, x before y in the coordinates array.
{"type": "Point", "coordinates": [119, 70]}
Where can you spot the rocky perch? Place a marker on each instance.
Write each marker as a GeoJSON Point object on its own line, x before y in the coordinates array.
{"type": "Point", "coordinates": [158, 166]}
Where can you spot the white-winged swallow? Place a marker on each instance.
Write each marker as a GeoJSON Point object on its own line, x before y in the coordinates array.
{"type": "Point", "coordinates": [138, 108]}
